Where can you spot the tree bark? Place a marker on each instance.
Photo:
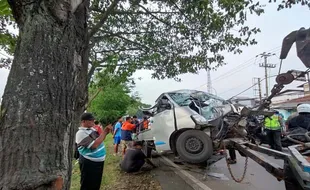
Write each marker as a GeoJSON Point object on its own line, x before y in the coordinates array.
{"type": "Point", "coordinates": [45, 94]}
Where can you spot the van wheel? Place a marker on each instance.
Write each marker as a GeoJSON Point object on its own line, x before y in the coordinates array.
{"type": "Point", "coordinates": [194, 146]}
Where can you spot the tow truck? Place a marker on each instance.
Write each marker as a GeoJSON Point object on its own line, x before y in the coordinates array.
{"type": "Point", "coordinates": [195, 125]}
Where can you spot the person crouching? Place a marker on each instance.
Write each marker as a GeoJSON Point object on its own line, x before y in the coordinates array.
{"type": "Point", "coordinates": [134, 159]}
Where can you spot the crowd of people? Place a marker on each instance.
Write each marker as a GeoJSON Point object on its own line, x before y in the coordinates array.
{"type": "Point", "coordinates": [91, 152]}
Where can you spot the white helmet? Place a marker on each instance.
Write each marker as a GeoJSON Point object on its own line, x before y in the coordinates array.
{"type": "Point", "coordinates": [303, 108]}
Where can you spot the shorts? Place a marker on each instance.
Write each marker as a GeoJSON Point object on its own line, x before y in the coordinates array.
{"type": "Point", "coordinates": [126, 144]}
{"type": "Point", "coordinates": [117, 140]}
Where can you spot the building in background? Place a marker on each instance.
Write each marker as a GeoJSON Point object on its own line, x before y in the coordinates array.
{"type": "Point", "coordinates": [305, 88]}
{"type": "Point", "coordinates": [245, 101]}
{"type": "Point", "coordinates": [289, 107]}
{"type": "Point", "coordinates": [287, 95]}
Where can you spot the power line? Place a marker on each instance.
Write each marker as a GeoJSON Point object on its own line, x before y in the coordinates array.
{"type": "Point", "coordinates": [240, 67]}
{"type": "Point", "coordinates": [245, 66]}
{"type": "Point", "coordinates": [233, 88]}
{"type": "Point", "coordinates": [236, 68]}
{"type": "Point", "coordinates": [243, 91]}
{"type": "Point", "coordinates": [228, 74]}
{"type": "Point", "coordinates": [251, 87]}
{"type": "Point", "coordinates": [225, 74]}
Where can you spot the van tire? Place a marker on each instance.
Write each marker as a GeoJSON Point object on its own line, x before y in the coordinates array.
{"type": "Point", "coordinates": [194, 146]}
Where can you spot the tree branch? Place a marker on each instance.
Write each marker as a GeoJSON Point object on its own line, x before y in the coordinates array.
{"type": "Point", "coordinates": [164, 22]}
{"type": "Point", "coordinates": [133, 42]}
{"type": "Point", "coordinates": [93, 67]}
{"type": "Point", "coordinates": [119, 50]}
{"type": "Point", "coordinates": [96, 39]}
{"type": "Point", "coordinates": [118, 12]}
{"type": "Point", "coordinates": [150, 13]}
{"type": "Point", "coordinates": [130, 32]}
{"type": "Point", "coordinates": [91, 72]}
{"type": "Point", "coordinates": [105, 16]}
{"type": "Point", "coordinates": [126, 64]}
{"type": "Point", "coordinates": [92, 98]}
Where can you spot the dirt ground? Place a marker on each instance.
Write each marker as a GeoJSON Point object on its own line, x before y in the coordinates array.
{"type": "Point", "coordinates": [142, 181]}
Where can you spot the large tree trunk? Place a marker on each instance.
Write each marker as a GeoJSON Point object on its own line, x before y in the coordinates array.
{"type": "Point", "coordinates": [44, 95]}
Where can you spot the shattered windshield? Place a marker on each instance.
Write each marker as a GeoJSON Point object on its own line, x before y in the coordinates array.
{"type": "Point", "coordinates": [183, 98]}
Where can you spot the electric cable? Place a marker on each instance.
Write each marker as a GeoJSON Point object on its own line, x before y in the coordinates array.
{"type": "Point", "coordinates": [237, 69]}
{"type": "Point", "coordinates": [246, 65]}
{"type": "Point", "coordinates": [232, 88]}
{"type": "Point", "coordinates": [224, 76]}
{"type": "Point", "coordinates": [231, 72]}
{"type": "Point", "coordinates": [251, 87]}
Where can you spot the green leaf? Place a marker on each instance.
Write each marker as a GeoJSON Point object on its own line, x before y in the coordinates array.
{"type": "Point", "coordinates": [5, 9]}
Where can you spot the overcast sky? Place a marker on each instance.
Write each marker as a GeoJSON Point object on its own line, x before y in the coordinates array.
{"type": "Point", "coordinates": [237, 75]}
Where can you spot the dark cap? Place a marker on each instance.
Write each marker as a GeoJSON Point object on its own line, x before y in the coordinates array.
{"type": "Point", "coordinates": [87, 117]}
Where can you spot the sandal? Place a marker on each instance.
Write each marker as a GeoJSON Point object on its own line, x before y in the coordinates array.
{"type": "Point", "coordinates": [230, 161]}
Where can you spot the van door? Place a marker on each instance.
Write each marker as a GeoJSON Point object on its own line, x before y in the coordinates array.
{"type": "Point", "coordinates": [163, 127]}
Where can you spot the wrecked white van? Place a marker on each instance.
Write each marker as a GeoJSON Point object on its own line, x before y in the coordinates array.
{"type": "Point", "coordinates": [184, 121]}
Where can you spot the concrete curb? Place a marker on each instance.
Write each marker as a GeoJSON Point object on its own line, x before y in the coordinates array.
{"type": "Point", "coordinates": [187, 177]}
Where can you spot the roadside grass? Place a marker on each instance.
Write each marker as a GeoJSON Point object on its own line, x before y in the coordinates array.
{"type": "Point", "coordinates": [111, 172]}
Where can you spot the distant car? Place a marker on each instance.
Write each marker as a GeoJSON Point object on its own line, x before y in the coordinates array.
{"type": "Point", "coordinates": [183, 121]}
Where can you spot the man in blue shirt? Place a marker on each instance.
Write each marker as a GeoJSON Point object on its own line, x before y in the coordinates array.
{"type": "Point", "coordinates": [117, 134]}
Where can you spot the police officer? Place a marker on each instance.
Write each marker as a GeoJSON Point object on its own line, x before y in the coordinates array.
{"type": "Point", "coordinates": [303, 118]}
{"type": "Point", "coordinates": [273, 126]}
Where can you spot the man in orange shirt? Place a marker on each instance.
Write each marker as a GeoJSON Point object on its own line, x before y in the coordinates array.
{"type": "Point", "coordinates": [127, 129]}
{"type": "Point", "coordinates": [145, 123]}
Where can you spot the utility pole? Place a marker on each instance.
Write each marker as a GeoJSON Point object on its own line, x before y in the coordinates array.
{"type": "Point", "coordinates": [259, 89]}
{"type": "Point", "coordinates": [266, 65]}
{"type": "Point", "coordinates": [209, 83]}
{"type": "Point", "coordinates": [257, 83]}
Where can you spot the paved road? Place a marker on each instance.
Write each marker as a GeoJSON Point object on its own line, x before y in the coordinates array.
{"type": "Point", "coordinates": [168, 178]}
{"type": "Point", "coordinates": [257, 178]}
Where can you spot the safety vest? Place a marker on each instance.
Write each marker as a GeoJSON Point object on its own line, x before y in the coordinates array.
{"type": "Point", "coordinates": [273, 123]}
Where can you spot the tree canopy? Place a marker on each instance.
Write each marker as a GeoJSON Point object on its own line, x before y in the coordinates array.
{"type": "Point", "coordinates": [169, 37]}
{"type": "Point", "coordinates": [110, 104]}
{"type": "Point", "coordinates": [117, 99]}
